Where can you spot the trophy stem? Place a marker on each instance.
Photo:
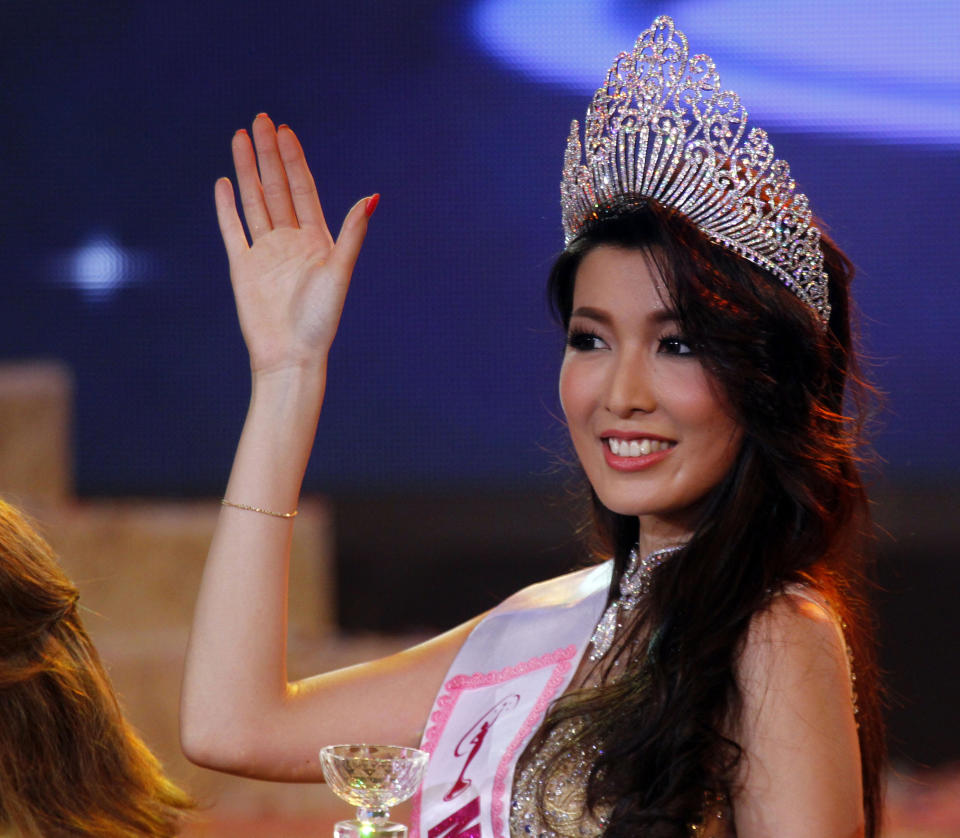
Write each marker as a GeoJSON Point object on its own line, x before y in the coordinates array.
{"type": "Point", "coordinates": [367, 814]}
{"type": "Point", "coordinates": [369, 829]}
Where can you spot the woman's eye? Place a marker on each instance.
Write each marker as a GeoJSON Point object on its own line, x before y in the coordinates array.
{"type": "Point", "coordinates": [584, 341]}
{"type": "Point", "coordinates": [675, 345]}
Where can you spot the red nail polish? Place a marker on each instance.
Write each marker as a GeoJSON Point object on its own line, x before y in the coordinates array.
{"type": "Point", "coordinates": [372, 202]}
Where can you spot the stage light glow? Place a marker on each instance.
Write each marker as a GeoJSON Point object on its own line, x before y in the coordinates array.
{"type": "Point", "coordinates": [880, 70]}
{"type": "Point", "coordinates": [100, 266]}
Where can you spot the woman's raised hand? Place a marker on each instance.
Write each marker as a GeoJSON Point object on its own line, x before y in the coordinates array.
{"type": "Point", "coordinates": [291, 282]}
{"type": "Point", "coordinates": [239, 712]}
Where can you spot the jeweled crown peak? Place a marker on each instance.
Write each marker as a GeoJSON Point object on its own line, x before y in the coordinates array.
{"type": "Point", "coordinates": [662, 127]}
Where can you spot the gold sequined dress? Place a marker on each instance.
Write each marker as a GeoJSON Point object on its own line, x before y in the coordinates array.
{"type": "Point", "coordinates": [564, 795]}
{"type": "Point", "coordinates": [564, 792]}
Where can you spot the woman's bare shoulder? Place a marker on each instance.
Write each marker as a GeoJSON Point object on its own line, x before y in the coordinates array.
{"type": "Point", "coordinates": [800, 772]}
{"type": "Point", "coordinates": [799, 618]}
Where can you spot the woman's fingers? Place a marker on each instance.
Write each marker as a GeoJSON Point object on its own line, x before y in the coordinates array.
{"type": "Point", "coordinates": [278, 190]}
{"type": "Point", "coordinates": [248, 182]}
{"type": "Point", "coordinates": [231, 228]}
{"type": "Point", "coordinates": [273, 176]}
{"type": "Point", "coordinates": [303, 188]}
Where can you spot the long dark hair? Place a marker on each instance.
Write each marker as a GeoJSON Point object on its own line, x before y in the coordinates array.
{"type": "Point", "coordinates": [70, 764]}
{"type": "Point", "coordinates": [792, 509]}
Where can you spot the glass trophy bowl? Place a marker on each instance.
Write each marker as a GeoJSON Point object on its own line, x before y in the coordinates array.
{"type": "Point", "coordinates": [373, 778]}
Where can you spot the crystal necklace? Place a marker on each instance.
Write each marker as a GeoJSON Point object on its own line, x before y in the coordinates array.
{"type": "Point", "coordinates": [634, 583]}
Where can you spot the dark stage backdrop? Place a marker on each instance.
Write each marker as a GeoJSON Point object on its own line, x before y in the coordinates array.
{"type": "Point", "coordinates": [117, 120]}
{"type": "Point", "coordinates": [118, 117]}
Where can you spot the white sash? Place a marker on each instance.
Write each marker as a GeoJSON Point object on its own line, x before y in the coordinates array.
{"type": "Point", "coordinates": [512, 666]}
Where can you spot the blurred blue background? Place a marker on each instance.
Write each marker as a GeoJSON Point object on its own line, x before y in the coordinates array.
{"type": "Point", "coordinates": [118, 118]}
{"type": "Point", "coordinates": [117, 121]}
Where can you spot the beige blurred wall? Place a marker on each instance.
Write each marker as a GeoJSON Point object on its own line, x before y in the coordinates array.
{"type": "Point", "coordinates": [137, 563]}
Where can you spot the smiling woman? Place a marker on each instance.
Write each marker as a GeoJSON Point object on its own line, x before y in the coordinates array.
{"type": "Point", "coordinates": [732, 376]}
{"type": "Point", "coordinates": [698, 679]}
{"type": "Point", "coordinates": [650, 427]}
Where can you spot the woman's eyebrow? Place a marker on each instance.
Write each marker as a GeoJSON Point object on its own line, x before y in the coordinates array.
{"type": "Point", "coordinates": [664, 315]}
{"type": "Point", "coordinates": [661, 315]}
{"type": "Point", "coordinates": [590, 313]}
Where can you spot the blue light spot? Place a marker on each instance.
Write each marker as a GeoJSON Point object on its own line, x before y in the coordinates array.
{"type": "Point", "coordinates": [884, 70]}
{"type": "Point", "coordinates": [99, 267]}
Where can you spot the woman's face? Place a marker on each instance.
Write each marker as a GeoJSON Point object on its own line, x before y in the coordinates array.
{"type": "Point", "coordinates": [651, 429]}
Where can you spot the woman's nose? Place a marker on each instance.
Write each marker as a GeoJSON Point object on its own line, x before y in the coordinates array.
{"type": "Point", "coordinates": [630, 387]}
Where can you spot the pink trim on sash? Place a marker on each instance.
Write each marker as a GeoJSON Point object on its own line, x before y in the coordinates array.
{"type": "Point", "coordinates": [560, 659]}
{"type": "Point", "coordinates": [533, 720]}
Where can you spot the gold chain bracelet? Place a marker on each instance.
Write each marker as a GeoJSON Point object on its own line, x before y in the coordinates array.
{"type": "Point", "coordinates": [225, 502]}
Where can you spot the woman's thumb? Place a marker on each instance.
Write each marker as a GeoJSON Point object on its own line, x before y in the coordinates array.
{"type": "Point", "coordinates": [352, 233]}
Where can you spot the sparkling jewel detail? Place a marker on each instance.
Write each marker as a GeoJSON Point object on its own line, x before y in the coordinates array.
{"type": "Point", "coordinates": [563, 789]}
{"type": "Point", "coordinates": [558, 773]}
{"type": "Point", "coordinates": [662, 127]}
{"type": "Point", "coordinates": [634, 583]}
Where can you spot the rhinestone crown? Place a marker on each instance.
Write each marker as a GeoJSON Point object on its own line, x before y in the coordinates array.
{"type": "Point", "coordinates": [662, 127]}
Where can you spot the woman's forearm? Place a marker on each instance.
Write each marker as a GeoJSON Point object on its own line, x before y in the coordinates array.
{"type": "Point", "coordinates": [236, 658]}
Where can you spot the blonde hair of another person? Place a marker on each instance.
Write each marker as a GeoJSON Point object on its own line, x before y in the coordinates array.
{"type": "Point", "coordinates": [70, 763]}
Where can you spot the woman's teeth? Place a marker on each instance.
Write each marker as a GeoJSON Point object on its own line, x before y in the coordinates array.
{"type": "Point", "coordinates": [636, 447]}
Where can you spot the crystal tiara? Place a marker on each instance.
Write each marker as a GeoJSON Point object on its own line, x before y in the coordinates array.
{"type": "Point", "coordinates": [662, 127]}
